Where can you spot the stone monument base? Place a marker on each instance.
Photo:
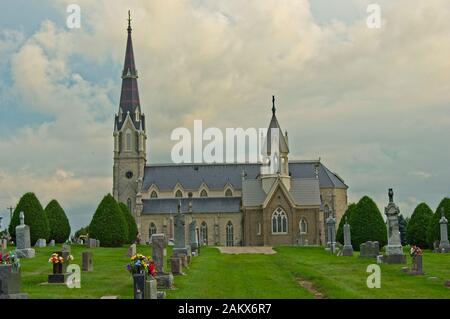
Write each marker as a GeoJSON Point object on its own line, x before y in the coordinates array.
{"type": "Point", "coordinates": [58, 278]}
{"type": "Point", "coordinates": [164, 280]}
{"type": "Point", "coordinates": [25, 253]}
{"type": "Point", "coordinates": [347, 251]}
{"type": "Point", "coordinates": [445, 248]}
{"type": "Point", "coordinates": [394, 259]}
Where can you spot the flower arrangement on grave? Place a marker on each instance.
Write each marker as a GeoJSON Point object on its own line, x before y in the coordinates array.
{"type": "Point", "coordinates": [57, 261]}
{"type": "Point", "coordinates": [10, 259]}
{"type": "Point", "coordinates": [415, 251]}
{"type": "Point", "coordinates": [140, 264]}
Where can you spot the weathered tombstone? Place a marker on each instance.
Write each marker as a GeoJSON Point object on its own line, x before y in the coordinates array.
{"type": "Point", "coordinates": [10, 283]}
{"type": "Point", "coordinates": [87, 261]}
{"type": "Point", "coordinates": [23, 245]}
{"type": "Point", "coordinates": [394, 249]}
{"type": "Point", "coordinates": [164, 280]}
{"type": "Point", "coordinates": [444, 245]}
{"type": "Point", "coordinates": [65, 253]}
{"type": "Point", "coordinates": [348, 248]}
{"type": "Point", "coordinates": [369, 249]}
{"type": "Point", "coordinates": [91, 243]}
{"type": "Point", "coordinates": [51, 243]}
{"type": "Point", "coordinates": [176, 266]}
{"type": "Point", "coordinates": [331, 230]}
{"type": "Point", "coordinates": [151, 288]}
{"type": "Point", "coordinates": [139, 286]}
{"type": "Point", "coordinates": [417, 267]}
{"type": "Point", "coordinates": [193, 241]}
{"type": "Point", "coordinates": [40, 243]}
{"type": "Point", "coordinates": [131, 251]}
{"type": "Point", "coordinates": [180, 247]}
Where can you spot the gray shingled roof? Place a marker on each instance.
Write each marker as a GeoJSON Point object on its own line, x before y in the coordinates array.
{"type": "Point", "coordinates": [305, 192]}
{"type": "Point", "coordinates": [216, 176]}
{"type": "Point", "coordinates": [199, 205]}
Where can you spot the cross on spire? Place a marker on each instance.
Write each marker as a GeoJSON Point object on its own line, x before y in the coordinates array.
{"type": "Point", "coordinates": [129, 21]}
{"type": "Point", "coordinates": [273, 105]}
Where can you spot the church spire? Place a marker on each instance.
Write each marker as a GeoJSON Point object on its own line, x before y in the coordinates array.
{"type": "Point", "coordinates": [129, 98]}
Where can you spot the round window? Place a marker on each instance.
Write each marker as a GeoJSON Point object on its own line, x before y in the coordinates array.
{"type": "Point", "coordinates": [129, 174]}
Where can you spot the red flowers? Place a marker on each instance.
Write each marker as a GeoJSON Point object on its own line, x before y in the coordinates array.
{"type": "Point", "coordinates": [152, 269]}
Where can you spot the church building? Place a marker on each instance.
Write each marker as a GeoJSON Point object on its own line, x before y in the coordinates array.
{"type": "Point", "coordinates": [234, 204]}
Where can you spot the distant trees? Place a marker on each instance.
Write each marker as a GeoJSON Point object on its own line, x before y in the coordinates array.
{"type": "Point", "coordinates": [367, 224]}
{"type": "Point", "coordinates": [108, 224]}
{"type": "Point", "coordinates": [35, 218]}
{"type": "Point", "coordinates": [58, 222]}
{"type": "Point", "coordinates": [402, 226]}
{"type": "Point", "coordinates": [418, 226]}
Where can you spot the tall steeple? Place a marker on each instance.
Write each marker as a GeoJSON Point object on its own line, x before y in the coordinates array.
{"type": "Point", "coordinates": [129, 98]}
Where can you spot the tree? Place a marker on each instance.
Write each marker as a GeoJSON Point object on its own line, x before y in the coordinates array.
{"type": "Point", "coordinates": [367, 224]}
{"type": "Point", "coordinates": [58, 222]}
{"type": "Point", "coordinates": [340, 232]}
{"type": "Point", "coordinates": [402, 226]}
{"type": "Point", "coordinates": [108, 224]}
{"type": "Point", "coordinates": [416, 233]}
{"type": "Point", "coordinates": [433, 233]}
{"type": "Point", "coordinates": [131, 223]}
{"type": "Point", "coordinates": [35, 218]}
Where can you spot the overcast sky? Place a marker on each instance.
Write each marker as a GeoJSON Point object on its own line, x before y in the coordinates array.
{"type": "Point", "coordinates": [373, 104]}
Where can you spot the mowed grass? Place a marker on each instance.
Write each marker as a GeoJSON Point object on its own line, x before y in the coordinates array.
{"type": "Point", "coordinates": [216, 275]}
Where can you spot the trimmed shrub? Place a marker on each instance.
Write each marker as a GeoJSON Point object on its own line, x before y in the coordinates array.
{"type": "Point", "coordinates": [35, 218]}
{"type": "Point", "coordinates": [416, 233]}
{"type": "Point", "coordinates": [433, 233]}
{"type": "Point", "coordinates": [58, 222]}
{"type": "Point", "coordinates": [402, 226]}
{"type": "Point", "coordinates": [340, 232]}
{"type": "Point", "coordinates": [131, 223]}
{"type": "Point", "coordinates": [367, 224]}
{"type": "Point", "coordinates": [108, 224]}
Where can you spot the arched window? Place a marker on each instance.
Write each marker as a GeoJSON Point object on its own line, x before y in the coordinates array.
{"type": "Point", "coordinates": [128, 140]}
{"type": "Point", "coordinates": [178, 194]}
{"type": "Point", "coordinates": [204, 233]}
{"type": "Point", "coordinates": [229, 234]}
{"type": "Point", "coordinates": [130, 207]}
{"type": "Point", "coordinates": [203, 193]}
{"type": "Point", "coordinates": [151, 230]}
{"type": "Point", "coordinates": [154, 195]}
{"type": "Point", "coordinates": [279, 221]}
{"type": "Point", "coordinates": [303, 226]}
{"type": "Point", "coordinates": [228, 193]}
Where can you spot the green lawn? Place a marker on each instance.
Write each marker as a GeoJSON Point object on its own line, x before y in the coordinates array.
{"type": "Point", "coordinates": [216, 275]}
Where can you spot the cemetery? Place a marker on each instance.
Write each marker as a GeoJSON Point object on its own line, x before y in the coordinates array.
{"type": "Point", "coordinates": [127, 269]}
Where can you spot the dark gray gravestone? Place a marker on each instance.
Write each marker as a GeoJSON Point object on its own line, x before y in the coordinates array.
{"type": "Point", "coordinates": [164, 280]}
{"type": "Point", "coordinates": [139, 286]}
{"type": "Point", "coordinates": [348, 248]}
{"type": "Point", "coordinates": [417, 266]}
{"type": "Point", "coordinates": [193, 241]}
{"type": "Point", "coordinates": [176, 266]}
{"type": "Point", "coordinates": [87, 261]}
{"type": "Point", "coordinates": [40, 243]}
{"type": "Point", "coordinates": [10, 283]}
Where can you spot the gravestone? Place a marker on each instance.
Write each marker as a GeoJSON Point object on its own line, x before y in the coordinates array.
{"type": "Point", "coordinates": [139, 286]}
{"type": "Point", "coordinates": [51, 243]}
{"type": "Point", "coordinates": [348, 248]}
{"type": "Point", "coordinates": [193, 240]}
{"type": "Point", "coordinates": [444, 245]}
{"type": "Point", "coordinates": [331, 230]}
{"type": "Point", "coordinates": [131, 251]}
{"type": "Point", "coordinates": [394, 249]}
{"type": "Point", "coordinates": [40, 243]}
{"type": "Point", "coordinates": [87, 261]}
{"type": "Point", "coordinates": [151, 291]}
{"type": "Point", "coordinates": [92, 243]}
{"type": "Point", "coordinates": [59, 275]}
{"type": "Point", "coordinates": [23, 244]}
{"type": "Point", "coordinates": [10, 283]}
{"type": "Point", "coordinates": [176, 266]}
{"type": "Point", "coordinates": [65, 253]}
{"type": "Point", "coordinates": [369, 249]}
{"type": "Point", "coordinates": [164, 279]}
{"type": "Point", "coordinates": [417, 267]}
{"type": "Point", "coordinates": [180, 247]}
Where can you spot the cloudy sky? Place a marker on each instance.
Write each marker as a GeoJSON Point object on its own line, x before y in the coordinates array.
{"type": "Point", "coordinates": [374, 104]}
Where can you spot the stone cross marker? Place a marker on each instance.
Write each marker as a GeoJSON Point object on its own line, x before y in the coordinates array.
{"type": "Point", "coordinates": [348, 248]}
{"type": "Point", "coordinates": [444, 245]}
{"type": "Point", "coordinates": [22, 218]}
{"type": "Point", "coordinates": [394, 249]}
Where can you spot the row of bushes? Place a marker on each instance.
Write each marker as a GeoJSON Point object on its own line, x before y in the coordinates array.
{"type": "Point", "coordinates": [366, 223]}
{"type": "Point", "coordinates": [49, 223]}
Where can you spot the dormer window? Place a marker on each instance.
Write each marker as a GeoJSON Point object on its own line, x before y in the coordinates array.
{"type": "Point", "coordinates": [178, 194]}
{"type": "Point", "coordinates": [137, 116]}
{"type": "Point", "coordinates": [120, 114]}
{"type": "Point", "coordinates": [203, 193]}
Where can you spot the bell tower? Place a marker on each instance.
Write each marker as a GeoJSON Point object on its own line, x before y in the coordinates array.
{"type": "Point", "coordinates": [129, 134]}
